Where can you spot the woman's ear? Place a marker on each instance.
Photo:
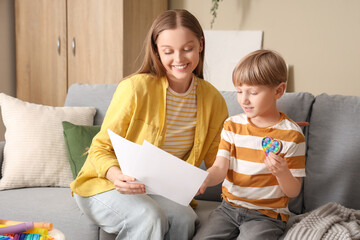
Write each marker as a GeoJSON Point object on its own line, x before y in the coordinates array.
{"type": "Point", "coordinates": [201, 44]}
{"type": "Point", "coordinates": [280, 90]}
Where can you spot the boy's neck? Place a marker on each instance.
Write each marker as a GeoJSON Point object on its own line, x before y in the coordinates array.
{"type": "Point", "coordinates": [266, 121]}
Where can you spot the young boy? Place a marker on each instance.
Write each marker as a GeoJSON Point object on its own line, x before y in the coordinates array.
{"type": "Point", "coordinates": [257, 188]}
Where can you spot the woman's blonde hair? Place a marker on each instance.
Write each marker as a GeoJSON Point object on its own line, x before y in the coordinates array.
{"type": "Point", "coordinates": [261, 67]}
{"type": "Point", "coordinates": [170, 19]}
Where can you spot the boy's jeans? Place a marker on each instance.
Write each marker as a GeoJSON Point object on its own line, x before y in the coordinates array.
{"type": "Point", "coordinates": [229, 222]}
{"type": "Point", "coordinates": [139, 216]}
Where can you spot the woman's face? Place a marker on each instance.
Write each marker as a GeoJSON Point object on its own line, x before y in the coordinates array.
{"type": "Point", "coordinates": [179, 51]}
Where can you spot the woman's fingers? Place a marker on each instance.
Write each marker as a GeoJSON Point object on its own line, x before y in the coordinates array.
{"type": "Point", "coordinates": [125, 185]}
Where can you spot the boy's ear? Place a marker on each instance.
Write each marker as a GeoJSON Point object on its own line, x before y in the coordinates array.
{"type": "Point", "coordinates": [280, 90]}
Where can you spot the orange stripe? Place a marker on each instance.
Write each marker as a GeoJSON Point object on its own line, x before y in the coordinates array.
{"type": "Point", "coordinates": [271, 203]}
{"type": "Point", "coordinates": [244, 180]}
{"type": "Point", "coordinates": [247, 129]}
{"type": "Point", "coordinates": [188, 102]}
{"type": "Point", "coordinates": [297, 162]}
{"type": "Point", "coordinates": [176, 113]}
{"type": "Point", "coordinates": [225, 145]}
{"type": "Point", "coordinates": [177, 106]}
{"type": "Point", "coordinates": [248, 154]}
{"type": "Point", "coordinates": [258, 156]}
{"type": "Point", "coordinates": [177, 139]}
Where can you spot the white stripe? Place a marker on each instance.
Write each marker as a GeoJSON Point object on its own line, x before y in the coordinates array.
{"type": "Point", "coordinates": [248, 168]}
{"type": "Point", "coordinates": [298, 172]}
{"type": "Point", "coordinates": [252, 142]}
{"type": "Point", "coordinates": [223, 153]}
{"type": "Point", "coordinates": [182, 105]}
{"type": "Point", "coordinates": [253, 168]}
{"type": "Point", "coordinates": [254, 192]}
{"type": "Point", "coordinates": [178, 144]}
{"type": "Point", "coordinates": [293, 149]}
{"type": "Point", "coordinates": [178, 113]}
{"type": "Point", "coordinates": [184, 101]}
{"type": "Point", "coordinates": [191, 108]}
{"type": "Point", "coordinates": [181, 124]}
{"type": "Point", "coordinates": [240, 119]}
{"type": "Point", "coordinates": [286, 124]}
{"type": "Point", "coordinates": [254, 207]}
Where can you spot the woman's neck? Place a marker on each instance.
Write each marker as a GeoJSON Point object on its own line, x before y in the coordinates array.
{"type": "Point", "coordinates": [180, 86]}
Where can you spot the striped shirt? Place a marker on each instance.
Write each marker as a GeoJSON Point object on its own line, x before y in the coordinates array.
{"type": "Point", "coordinates": [180, 121]}
{"type": "Point", "coordinates": [249, 184]}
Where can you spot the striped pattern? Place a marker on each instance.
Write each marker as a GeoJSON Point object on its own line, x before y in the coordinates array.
{"type": "Point", "coordinates": [249, 183]}
{"type": "Point", "coordinates": [180, 121]}
{"type": "Point", "coordinates": [35, 153]}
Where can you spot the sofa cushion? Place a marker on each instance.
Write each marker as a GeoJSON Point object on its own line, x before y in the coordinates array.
{"type": "Point", "coordinates": [48, 204]}
{"type": "Point", "coordinates": [78, 139]}
{"type": "Point", "coordinates": [91, 95]}
{"type": "Point", "coordinates": [333, 154]}
{"type": "Point", "coordinates": [35, 152]}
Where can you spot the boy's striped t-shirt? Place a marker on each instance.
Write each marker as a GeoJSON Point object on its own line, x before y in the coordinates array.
{"type": "Point", "coordinates": [180, 121]}
{"type": "Point", "coordinates": [249, 183]}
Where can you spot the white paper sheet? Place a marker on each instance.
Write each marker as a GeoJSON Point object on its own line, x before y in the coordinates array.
{"type": "Point", "coordinates": [161, 172]}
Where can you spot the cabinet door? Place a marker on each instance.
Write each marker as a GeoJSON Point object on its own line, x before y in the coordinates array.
{"type": "Point", "coordinates": [41, 74]}
{"type": "Point", "coordinates": [95, 31]}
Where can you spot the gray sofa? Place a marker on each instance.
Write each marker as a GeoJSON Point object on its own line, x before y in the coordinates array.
{"type": "Point", "coordinates": [332, 162]}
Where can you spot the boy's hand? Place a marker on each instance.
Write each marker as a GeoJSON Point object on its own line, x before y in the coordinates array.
{"type": "Point", "coordinates": [202, 187]}
{"type": "Point", "coordinates": [276, 165]}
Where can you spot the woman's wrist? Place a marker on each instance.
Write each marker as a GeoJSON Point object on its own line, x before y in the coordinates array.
{"type": "Point", "coordinates": [112, 172]}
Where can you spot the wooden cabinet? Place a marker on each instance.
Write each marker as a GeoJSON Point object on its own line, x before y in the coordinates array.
{"type": "Point", "coordinates": [62, 42]}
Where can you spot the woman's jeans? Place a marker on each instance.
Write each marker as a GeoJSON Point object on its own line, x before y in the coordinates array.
{"type": "Point", "coordinates": [139, 216]}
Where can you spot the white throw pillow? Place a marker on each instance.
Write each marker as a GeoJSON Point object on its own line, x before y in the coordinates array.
{"type": "Point", "coordinates": [35, 153]}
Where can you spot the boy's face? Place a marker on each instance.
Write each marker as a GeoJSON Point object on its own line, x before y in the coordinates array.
{"type": "Point", "coordinates": [258, 101]}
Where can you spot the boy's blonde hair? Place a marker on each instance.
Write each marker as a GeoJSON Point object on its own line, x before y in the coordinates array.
{"type": "Point", "coordinates": [261, 67]}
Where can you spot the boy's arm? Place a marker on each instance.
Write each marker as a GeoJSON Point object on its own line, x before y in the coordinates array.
{"type": "Point", "coordinates": [217, 173]}
{"type": "Point", "coordinates": [289, 184]}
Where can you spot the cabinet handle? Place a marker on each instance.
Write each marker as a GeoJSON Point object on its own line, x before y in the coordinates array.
{"type": "Point", "coordinates": [73, 46]}
{"type": "Point", "coordinates": [58, 45]}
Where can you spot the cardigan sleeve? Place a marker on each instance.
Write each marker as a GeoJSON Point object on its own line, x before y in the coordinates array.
{"type": "Point", "coordinates": [219, 115]}
{"type": "Point", "coordinates": [117, 119]}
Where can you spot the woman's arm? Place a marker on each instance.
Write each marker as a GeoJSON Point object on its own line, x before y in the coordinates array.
{"type": "Point", "coordinates": [117, 118]}
{"type": "Point", "coordinates": [124, 184]}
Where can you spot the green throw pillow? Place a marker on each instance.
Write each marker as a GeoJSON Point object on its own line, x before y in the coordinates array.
{"type": "Point", "coordinates": [78, 139]}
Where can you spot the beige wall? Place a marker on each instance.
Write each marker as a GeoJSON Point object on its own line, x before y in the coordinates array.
{"type": "Point", "coordinates": [7, 52]}
{"type": "Point", "coordinates": [319, 39]}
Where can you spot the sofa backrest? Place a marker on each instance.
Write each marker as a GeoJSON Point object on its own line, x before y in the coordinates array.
{"type": "Point", "coordinates": [296, 105]}
{"type": "Point", "coordinates": [91, 95]}
{"type": "Point", "coordinates": [333, 155]}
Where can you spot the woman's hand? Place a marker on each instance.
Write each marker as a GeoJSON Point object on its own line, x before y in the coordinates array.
{"type": "Point", "coordinates": [123, 183]}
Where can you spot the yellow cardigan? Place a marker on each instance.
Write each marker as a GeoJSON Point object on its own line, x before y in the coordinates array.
{"type": "Point", "coordinates": [137, 112]}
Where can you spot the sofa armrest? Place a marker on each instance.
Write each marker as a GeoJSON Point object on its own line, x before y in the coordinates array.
{"type": "Point", "coordinates": [2, 145]}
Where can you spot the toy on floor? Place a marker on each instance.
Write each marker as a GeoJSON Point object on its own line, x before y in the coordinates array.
{"type": "Point", "coordinates": [13, 230]}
